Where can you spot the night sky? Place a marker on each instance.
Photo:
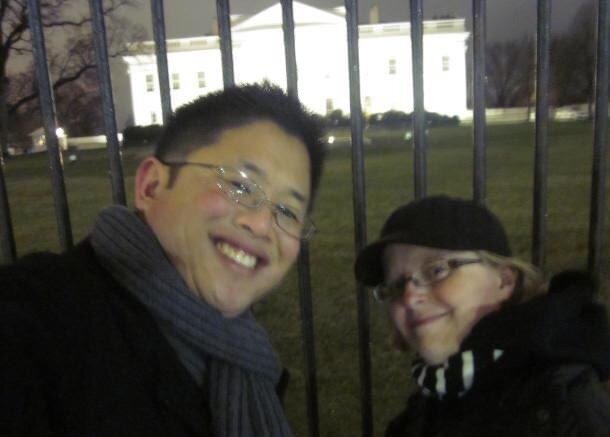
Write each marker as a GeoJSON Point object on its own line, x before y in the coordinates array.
{"type": "Point", "coordinates": [506, 18]}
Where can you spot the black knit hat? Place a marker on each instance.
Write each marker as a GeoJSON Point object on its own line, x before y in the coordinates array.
{"type": "Point", "coordinates": [439, 222]}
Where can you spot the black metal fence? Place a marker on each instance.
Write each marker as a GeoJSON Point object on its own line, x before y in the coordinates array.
{"type": "Point", "coordinates": [598, 175]}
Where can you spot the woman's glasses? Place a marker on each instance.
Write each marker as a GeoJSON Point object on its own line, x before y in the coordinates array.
{"type": "Point", "coordinates": [430, 273]}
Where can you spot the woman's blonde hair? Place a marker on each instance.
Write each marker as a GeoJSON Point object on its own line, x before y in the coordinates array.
{"type": "Point", "coordinates": [530, 281]}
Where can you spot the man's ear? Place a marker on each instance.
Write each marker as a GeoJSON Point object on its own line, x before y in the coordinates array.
{"type": "Point", "coordinates": [508, 280]}
{"type": "Point", "coordinates": [151, 178]}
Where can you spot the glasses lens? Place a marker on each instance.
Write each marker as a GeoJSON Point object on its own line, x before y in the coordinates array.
{"type": "Point", "coordinates": [239, 188]}
{"type": "Point", "coordinates": [434, 272]}
{"type": "Point", "coordinates": [289, 220]}
{"type": "Point", "coordinates": [389, 292]}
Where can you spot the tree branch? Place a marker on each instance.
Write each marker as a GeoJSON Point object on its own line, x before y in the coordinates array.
{"type": "Point", "coordinates": [76, 58]}
{"type": "Point", "coordinates": [19, 25]}
{"type": "Point", "coordinates": [14, 107]}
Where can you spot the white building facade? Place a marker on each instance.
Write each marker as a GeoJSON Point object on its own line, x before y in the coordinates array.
{"type": "Point", "coordinates": [195, 67]}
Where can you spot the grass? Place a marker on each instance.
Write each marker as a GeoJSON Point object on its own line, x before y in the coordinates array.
{"type": "Point", "coordinates": [388, 177]}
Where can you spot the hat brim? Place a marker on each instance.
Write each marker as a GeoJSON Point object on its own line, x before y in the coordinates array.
{"type": "Point", "coordinates": [369, 263]}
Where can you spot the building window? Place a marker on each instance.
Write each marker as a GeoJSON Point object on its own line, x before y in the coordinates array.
{"type": "Point", "coordinates": [329, 106]}
{"type": "Point", "coordinates": [201, 79]}
{"type": "Point", "coordinates": [175, 81]}
{"type": "Point", "coordinates": [153, 117]}
{"type": "Point", "coordinates": [446, 63]}
{"type": "Point", "coordinates": [392, 66]}
{"type": "Point", "coordinates": [150, 83]}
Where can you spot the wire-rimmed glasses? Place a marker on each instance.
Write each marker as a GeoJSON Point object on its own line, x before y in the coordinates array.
{"type": "Point", "coordinates": [430, 273]}
{"type": "Point", "coordinates": [241, 189]}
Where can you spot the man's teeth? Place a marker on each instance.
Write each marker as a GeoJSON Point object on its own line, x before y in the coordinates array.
{"type": "Point", "coordinates": [237, 255]}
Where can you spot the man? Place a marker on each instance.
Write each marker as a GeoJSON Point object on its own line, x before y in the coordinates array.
{"type": "Point", "coordinates": [144, 328]}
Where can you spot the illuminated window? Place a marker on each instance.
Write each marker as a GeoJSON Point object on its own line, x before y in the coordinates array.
{"type": "Point", "coordinates": [392, 66]}
{"type": "Point", "coordinates": [446, 63]}
{"type": "Point", "coordinates": [175, 81]}
{"type": "Point", "coordinates": [150, 83]}
{"type": "Point", "coordinates": [201, 79]}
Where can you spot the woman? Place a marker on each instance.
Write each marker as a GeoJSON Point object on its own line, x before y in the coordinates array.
{"type": "Point", "coordinates": [496, 353]}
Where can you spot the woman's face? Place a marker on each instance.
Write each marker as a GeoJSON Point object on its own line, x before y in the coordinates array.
{"type": "Point", "coordinates": [435, 318]}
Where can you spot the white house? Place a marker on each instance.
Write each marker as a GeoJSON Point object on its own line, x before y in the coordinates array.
{"type": "Point", "coordinates": [321, 47]}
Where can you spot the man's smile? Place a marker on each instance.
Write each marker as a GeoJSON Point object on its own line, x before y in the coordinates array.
{"type": "Point", "coordinates": [239, 254]}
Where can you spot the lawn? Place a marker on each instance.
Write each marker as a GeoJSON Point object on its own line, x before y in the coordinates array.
{"type": "Point", "coordinates": [388, 164]}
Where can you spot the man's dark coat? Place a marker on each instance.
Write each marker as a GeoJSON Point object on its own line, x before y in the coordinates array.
{"type": "Point", "coordinates": [80, 356]}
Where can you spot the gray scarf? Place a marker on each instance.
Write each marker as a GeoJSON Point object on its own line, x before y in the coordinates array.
{"type": "Point", "coordinates": [231, 358]}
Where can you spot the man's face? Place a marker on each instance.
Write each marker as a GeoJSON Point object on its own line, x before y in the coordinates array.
{"type": "Point", "coordinates": [229, 255]}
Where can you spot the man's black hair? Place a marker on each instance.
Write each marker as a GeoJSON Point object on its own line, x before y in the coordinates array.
{"type": "Point", "coordinates": [200, 123]}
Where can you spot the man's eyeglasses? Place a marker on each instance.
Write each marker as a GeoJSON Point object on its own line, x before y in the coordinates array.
{"type": "Point", "coordinates": [238, 187]}
{"type": "Point", "coordinates": [431, 273]}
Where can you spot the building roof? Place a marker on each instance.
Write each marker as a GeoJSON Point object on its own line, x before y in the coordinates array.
{"type": "Point", "coordinates": [304, 15]}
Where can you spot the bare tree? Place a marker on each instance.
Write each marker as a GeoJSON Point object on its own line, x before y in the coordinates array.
{"type": "Point", "coordinates": [70, 47]}
{"type": "Point", "coordinates": [573, 60]}
{"type": "Point", "coordinates": [510, 73]}
{"type": "Point", "coordinates": [79, 106]}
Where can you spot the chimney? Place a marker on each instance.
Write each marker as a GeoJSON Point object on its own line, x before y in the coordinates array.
{"type": "Point", "coordinates": [374, 14]}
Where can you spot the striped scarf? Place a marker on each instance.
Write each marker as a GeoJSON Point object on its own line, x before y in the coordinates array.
{"type": "Point", "coordinates": [453, 378]}
{"type": "Point", "coordinates": [231, 358]}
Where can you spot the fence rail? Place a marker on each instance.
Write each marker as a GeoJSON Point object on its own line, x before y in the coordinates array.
{"type": "Point", "coordinates": [540, 195]}
{"type": "Point", "coordinates": [49, 121]}
{"type": "Point", "coordinates": [359, 203]}
{"type": "Point", "coordinates": [103, 74]}
{"type": "Point", "coordinates": [478, 91]}
{"type": "Point", "coordinates": [600, 144]}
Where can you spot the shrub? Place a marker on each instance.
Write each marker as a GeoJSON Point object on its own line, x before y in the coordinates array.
{"type": "Point", "coordinates": [399, 119]}
{"type": "Point", "coordinates": [136, 136]}
{"type": "Point", "coordinates": [390, 119]}
{"type": "Point", "coordinates": [336, 119]}
{"type": "Point", "coordinates": [433, 119]}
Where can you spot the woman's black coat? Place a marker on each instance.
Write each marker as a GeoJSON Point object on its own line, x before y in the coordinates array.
{"type": "Point", "coordinates": [557, 350]}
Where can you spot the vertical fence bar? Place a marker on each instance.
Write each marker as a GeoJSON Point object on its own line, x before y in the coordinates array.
{"type": "Point", "coordinates": [226, 45]}
{"type": "Point", "coordinates": [8, 252]}
{"type": "Point", "coordinates": [47, 110]}
{"type": "Point", "coordinates": [419, 115]}
{"type": "Point", "coordinates": [158, 24]}
{"type": "Point", "coordinates": [479, 19]}
{"type": "Point", "coordinates": [600, 147]}
{"type": "Point", "coordinates": [359, 203]}
{"type": "Point", "coordinates": [543, 50]}
{"type": "Point", "coordinates": [103, 74]}
{"type": "Point", "coordinates": [305, 304]}
{"type": "Point", "coordinates": [289, 47]}
{"type": "Point", "coordinates": [4, 117]}
{"type": "Point", "coordinates": [308, 342]}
